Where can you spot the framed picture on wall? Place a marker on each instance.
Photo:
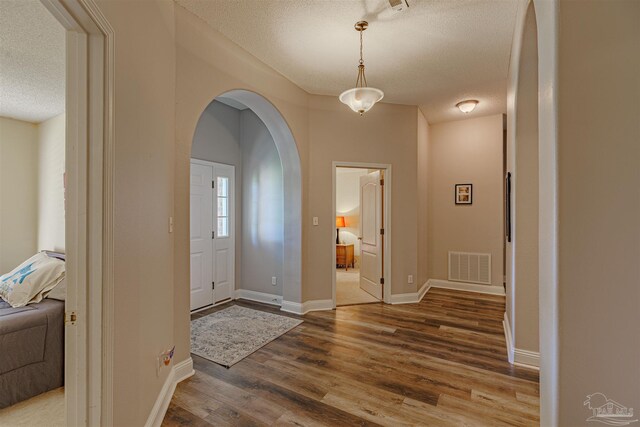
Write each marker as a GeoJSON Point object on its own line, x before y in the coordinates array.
{"type": "Point", "coordinates": [464, 194]}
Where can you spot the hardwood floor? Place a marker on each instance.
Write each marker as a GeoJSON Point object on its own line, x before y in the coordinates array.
{"type": "Point", "coordinates": [440, 362]}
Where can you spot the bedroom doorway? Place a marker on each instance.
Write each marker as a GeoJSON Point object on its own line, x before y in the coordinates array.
{"type": "Point", "coordinates": [75, 151]}
{"type": "Point", "coordinates": [361, 257]}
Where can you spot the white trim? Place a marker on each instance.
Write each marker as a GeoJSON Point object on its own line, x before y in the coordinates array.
{"type": "Point", "coordinates": [516, 356]}
{"type": "Point", "coordinates": [386, 167]}
{"type": "Point", "coordinates": [526, 358]}
{"type": "Point", "coordinates": [90, 211]}
{"type": "Point", "coordinates": [262, 297]}
{"type": "Point", "coordinates": [411, 297]}
{"type": "Point", "coordinates": [305, 307]}
{"type": "Point", "coordinates": [179, 372]}
{"type": "Point", "coordinates": [207, 307]}
{"type": "Point", "coordinates": [508, 337]}
{"type": "Point", "coordinates": [468, 287]}
{"type": "Point", "coordinates": [547, 30]}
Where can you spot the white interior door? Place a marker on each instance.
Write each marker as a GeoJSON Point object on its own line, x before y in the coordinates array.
{"type": "Point", "coordinates": [224, 233]}
{"type": "Point", "coordinates": [370, 234]}
{"type": "Point", "coordinates": [201, 235]}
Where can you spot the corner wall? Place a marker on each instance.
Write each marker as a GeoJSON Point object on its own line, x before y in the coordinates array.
{"type": "Point", "coordinates": [18, 192]}
{"type": "Point", "coordinates": [463, 152]}
{"type": "Point", "coordinates": [51, 170]}
{"type": "Point", "coordinates": [599, 204]}
{"type": "Point", "coordinates": [423, 199]}
{"type": "Point", "coordinates": [144, 119]}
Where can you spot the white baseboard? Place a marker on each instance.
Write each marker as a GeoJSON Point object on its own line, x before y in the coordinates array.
{"type": "Point", "coordinates": [508, 337]}
{"type": "Point", "coordinates": [526, 358]}
{"type": "Point", "coordinates": [516, 356]}
{"type": "Point", "coordinates": [469, 287]}
{"type": "Point", "coordinates": [307, 306]}
{"type": "Point", "coordinates": [410, 297]}
{"type": "Point", "coordinates": [258, 297]}
{"type": "Point", "coordinates": [180, 371]}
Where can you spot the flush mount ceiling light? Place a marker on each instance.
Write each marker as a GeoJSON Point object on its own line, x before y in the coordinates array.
{"type": "Point", "coordinates": [467, 106]}
{"type": "Point", "coordinates": [361, 98]}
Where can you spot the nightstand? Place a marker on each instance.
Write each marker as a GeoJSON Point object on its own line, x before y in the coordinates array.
{"type": "Point", "coordinates": [344, 256]}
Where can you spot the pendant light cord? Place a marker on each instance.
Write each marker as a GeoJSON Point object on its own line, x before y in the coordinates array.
{"type": "Point", "coordinates": [361, 81]}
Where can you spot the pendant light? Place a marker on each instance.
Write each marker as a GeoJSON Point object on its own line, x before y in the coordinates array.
{"type": "Point", "coordinates": [361, 98]}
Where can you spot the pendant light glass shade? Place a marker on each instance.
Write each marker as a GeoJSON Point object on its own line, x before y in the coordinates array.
{"type": "Point", "coordinates": [361, 99]}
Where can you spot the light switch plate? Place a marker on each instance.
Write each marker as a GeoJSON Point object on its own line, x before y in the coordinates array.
{"type": "Point", "coordinates": [170, 224]}
{"type": "Point", "coordinates": [315, 220]}
{"type": "Point", "coordinates": [273, 280]}
{"type": "Point", "coordinates": [410, 279]}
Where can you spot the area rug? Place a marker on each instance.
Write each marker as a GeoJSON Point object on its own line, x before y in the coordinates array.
{"type": "Point", "coordinates": [228, 336]}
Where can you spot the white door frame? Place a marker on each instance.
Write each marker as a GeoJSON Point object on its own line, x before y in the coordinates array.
{"type": "Point", "coordinates": [232, 224]}
{"type": "Point", "coordinates": [386, 224]}
{"type": "Point", "coordinates": [89, 211]}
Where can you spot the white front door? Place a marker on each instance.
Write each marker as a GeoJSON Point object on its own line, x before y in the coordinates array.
{"type": "Point", "coordinates": [223, 232]}
{"type": "Point", "coordinates": [212, 233]}
{"type": "Point", "coordinates": [370, 232]}
{"type": "Point", "coordinates": [201, 214]}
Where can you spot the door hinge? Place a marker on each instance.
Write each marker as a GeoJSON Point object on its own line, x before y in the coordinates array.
{"type": "Point", "coordinates": [382, 231]}
{"type": "Point", "coordinates": [213, 184]}
{"type": "Point", "coordinates": [382, 280]}
{"type": "Point", "coordinates": [213, 285]}
{"type": "Point", "coordinates": [213, 234]}
{"type": "Point", "coordinates": [382, 182]}
{"type": "Point", "coordinates": [70, 318]}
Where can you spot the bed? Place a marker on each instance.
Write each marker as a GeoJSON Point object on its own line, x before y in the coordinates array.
{"type": "Point", "coordinates": [31, 349]}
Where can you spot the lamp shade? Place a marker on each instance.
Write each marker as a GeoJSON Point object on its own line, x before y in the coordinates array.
{"type": "Point", "coordinates": [340, 222]}
{"type": "Point", "coordinates": [361, 99]}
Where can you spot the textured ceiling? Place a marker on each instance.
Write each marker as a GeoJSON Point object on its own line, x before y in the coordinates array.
{"type": "Point", "coordinates": [434, 54]}
{"type": "Point", "coordinates": [32, 61]}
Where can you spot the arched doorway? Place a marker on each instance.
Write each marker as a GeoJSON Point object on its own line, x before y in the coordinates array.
{"type": "Point", "coordinates": [291, 211]}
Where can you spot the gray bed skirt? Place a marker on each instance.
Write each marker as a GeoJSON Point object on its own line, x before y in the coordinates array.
{"type": "Point", "coordinates": [31, 350]}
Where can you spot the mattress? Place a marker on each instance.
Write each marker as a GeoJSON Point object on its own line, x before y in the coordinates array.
{"type": "Point", "coordinates": [31, 350]}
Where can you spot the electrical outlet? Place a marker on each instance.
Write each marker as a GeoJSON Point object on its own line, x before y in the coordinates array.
{"type": "Point", "coordinates": [164, 359]}
{"type": "Point", "coordinates": [315, 220]}
{"type": "Point", "coordinates": [410, 279]}
{"type": "Point", "coordinates": [274, 280]}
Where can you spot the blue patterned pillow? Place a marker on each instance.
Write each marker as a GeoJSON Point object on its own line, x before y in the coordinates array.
{"type": "Point", "coordinates": [32, 280]}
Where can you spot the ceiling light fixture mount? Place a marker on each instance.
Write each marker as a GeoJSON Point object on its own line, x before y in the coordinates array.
{"type": "Point", "coordinates": [361, 98]}
{"type": "Point", "coordinates": [467, 105]}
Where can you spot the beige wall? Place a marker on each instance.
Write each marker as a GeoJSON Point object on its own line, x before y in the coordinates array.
{"type": "Point", "coordinates": [462, 152]}
{"type": "Point", "coordinates": [18, 192]}
{"type": "Point", "coordinates": [522, 266]}
{"type": "Point", "coordinates": [525, 197]}
{"type": "Point", "coordinates": [144, 177]}
{"type": "Point", "coordinates": [599, 204]}
{"type": "Point", "coordinates": [386, 134]}
{"type": "Point", "coordinates": [423, 199]}
{"type": "Point", "coordinates": [51, 167]}
{"type": "Point", "coordinates": [207, 65]}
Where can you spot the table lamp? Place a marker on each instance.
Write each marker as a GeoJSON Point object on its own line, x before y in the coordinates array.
{"type": "Point", "coordinates": [340, 223]}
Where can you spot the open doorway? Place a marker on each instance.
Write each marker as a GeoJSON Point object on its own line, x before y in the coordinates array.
{"type": "Point", "coordinates": [245, 224]}
{"type": "Point", "coordinates": [45, 99]}
{"type": "Point", "coordinates": [32, 215]}
{"type": "Point", "coordinates": [361, 236]}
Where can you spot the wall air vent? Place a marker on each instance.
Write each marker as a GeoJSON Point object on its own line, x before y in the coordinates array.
{"type": "Point", "coordinates": [398, 5]}
{"type": "Point", "coordinates": [470, 267]}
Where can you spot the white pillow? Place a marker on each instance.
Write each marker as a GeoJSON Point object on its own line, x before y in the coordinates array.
{"type": "Point", "coordinates": [59, 292]}
{"type": "Point", "coordinates": [31, 280]}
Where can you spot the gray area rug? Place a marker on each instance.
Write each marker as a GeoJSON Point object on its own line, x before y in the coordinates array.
{"type": "Point", "coordinates": [228, 336]}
